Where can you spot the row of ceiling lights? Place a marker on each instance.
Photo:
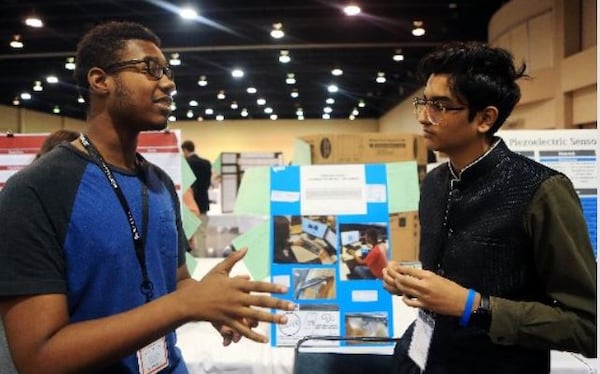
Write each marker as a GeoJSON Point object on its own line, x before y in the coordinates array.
{"type": "Point", "coordinates": [277, 32]}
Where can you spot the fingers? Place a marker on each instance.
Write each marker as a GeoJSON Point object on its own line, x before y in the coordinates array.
{"type": "Point", "coordinates": [227, 264]}
{"type": "Point", "coordinates": [258, 286]}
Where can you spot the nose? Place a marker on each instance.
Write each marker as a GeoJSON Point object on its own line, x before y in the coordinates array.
{"type": "Point", "coordinates": [167, 85]}
{"type": "Point", "coordinates": [422, 117]}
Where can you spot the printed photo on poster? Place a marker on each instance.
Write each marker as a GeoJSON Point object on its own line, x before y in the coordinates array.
{"type": "Point", "coordinates": [314, 283]}
{"type": "Point", "coordinates": [367, 324]}
{"type": "Point", "coordinates": [364, 250]}
{"type": "Point", "coordinates": [304, 239]}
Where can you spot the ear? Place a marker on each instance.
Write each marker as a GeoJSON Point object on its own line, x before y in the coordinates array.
{"type": "Point", "coordinates": [97, 80]}
{"type": "Point", "coordinates": [488, 116]}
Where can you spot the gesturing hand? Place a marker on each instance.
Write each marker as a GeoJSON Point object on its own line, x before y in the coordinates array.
{"type": "Point", "coordinates": [427, 290]}
{"type": "Point", "coordinates": [229, 301]}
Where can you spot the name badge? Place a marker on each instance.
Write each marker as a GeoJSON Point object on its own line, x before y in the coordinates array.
{"type": "Point", "coordinates": [418, 349]}
{"type": "Point", "coordinates": [153, 357]}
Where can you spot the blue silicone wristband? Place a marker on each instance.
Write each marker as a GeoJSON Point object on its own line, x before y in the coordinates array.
{"type": "Point", "coordinates": [464, 319]}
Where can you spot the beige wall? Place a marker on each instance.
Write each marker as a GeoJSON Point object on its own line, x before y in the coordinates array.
{"type": "Point", "coordinates": [213, 137]}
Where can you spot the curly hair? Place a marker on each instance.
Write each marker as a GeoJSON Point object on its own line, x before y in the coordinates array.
{"type": "Point", "coordinates": [102, 46]}
{"type": "Point", "coordinates": [479, 76]}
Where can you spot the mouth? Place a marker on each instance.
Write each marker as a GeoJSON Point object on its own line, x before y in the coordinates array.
{"type": "Point", "coordinates": [164, 103]}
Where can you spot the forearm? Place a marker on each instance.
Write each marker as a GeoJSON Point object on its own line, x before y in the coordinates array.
{"type": "Point", "coordinates": [536, 325]}
{"type": "Point", "coordinates": [80, 346]}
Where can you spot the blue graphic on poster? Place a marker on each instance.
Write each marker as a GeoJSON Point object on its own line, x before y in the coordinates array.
{"type": "Point", "coordinates": [329, 244]}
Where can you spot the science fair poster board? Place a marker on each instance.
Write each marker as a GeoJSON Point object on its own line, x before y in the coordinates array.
{"type": "Point", "coordinates": [573, 153]}
{"type": "Point", "coordinates": [319, 217]}
{"type": "Point", "coordinates": [161, 148]}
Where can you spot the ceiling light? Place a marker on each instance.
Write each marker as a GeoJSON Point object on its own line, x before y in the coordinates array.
{"type": "Point", "coordinates": [273, 117]}
{"type": "Point", "coordinates": [237, 73]}
{"type": "Point", "coordinates": [209, 111]}
{"type": "Point", "coordinates": [189, 114]}
{"type": "Point", "coordinates": [337, 72]}
{"type": "Point", "coordinates": [16, 101]}
{"type": "Point", "coordinates": [380, 77]}
{"type": "Point", "coordinates": [355, 112]}
{"type": "Point", "coordinates": [16, 41]}
{"type": "Point", "coordinates": [70, 64]}
{"type": "Point", "coordinates": [173, 106]}
{"type": "Point", "coordinates": [332, 88]}
{"type": "Point", "coordinates": [172, 119]}
{"type": "Point", "coordinates": [418, 30]}
{"type": "Point", "coordinates": [277, 32]}
{"type": "Point", "coordinates": [202, 81]}
{"type": "Point", "coordinates": [244, 112]}
{"type": "Point", "coordinates": [37, 86]}
{"type": "Point", "coordinates": [200, 119]}
{"type": "Point", "coordinates": [173, 93]}
{"type": "Point", "coordinates": [188, 13]}
{"type": "Point", "coordinates": [268, 110]}
{"type": "Point", "coordinates": [220, 117]}
{"type": "Point", "coordinates": [351, 117]}
{"type": "Point", "coordinates": [361, 104]}
{"type": "Point", "coordinates": [284, 56]}
{"type": "Point", "coordinates": [327, 109]}
{"type": "Point", "coordinates": [299, 112]}
{"type": "Point", "coordinates": [330, 100]}
{"type": "Point", "coordinates": [193, 103]}
{"type": "Point", "coordinates": [234, 105]}
{"type": "Point", "coordinates": [52, 79]}
{"type": "Point", "coordinates": [398, 56]}
{"type": "Point", "coordinates": [290, 78]}
{"type": "Point", "coordinates": [351, 10]}
{"type": "Point", "coordinates": [25, 96]}
{"type": "Point", "coordinates": [80, 99]}
{"type": "Point", "coordinates": [56, 109]}
{"type": "Point", "coordinates": [221, 95]}
{"type": "Point", "coordinates": [174, 61]}
{"type": "Point", "coordinates": [261, 101]}
{"type": "Point", "coordinates": [251, 90]}
{"type": "Point", "coordinates": [294, 93]}
{"type": "Point", "coordinates": [34, 21]}
{"type": "Point", "coordinates": [325, 116]}
{"type": "Point", "coordinates": [300, 118]}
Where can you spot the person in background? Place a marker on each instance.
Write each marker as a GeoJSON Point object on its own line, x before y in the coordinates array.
{"type": "Point", "coordinates": [508, 268]}
{"type": "Point", "coordinates": [202, 170]}
{"type": "Point", "coordinates": [55, 138]}
{"type": "Point", "coordinates": [92, 251]}
{"type": "Point", "coordinates": [370, 266]}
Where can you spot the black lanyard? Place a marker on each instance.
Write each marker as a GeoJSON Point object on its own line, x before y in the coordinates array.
{"type": "Point", "coordinates": [146, 287]}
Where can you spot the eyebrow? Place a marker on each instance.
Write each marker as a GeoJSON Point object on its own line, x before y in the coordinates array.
{"type": "Point", "coordinates": [438, 98]}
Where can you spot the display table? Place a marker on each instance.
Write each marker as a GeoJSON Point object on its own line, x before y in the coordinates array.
{"type": "Point", "coordinates": [203, 351]}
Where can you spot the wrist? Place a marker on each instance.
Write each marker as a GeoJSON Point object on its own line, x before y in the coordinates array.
{"type": "Point", "coordinates": [481, 317]}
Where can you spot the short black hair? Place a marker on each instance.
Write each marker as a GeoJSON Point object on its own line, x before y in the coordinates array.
{"type": "Point", "coordinates": [188, 145]}
{"type": "Point", "coordinates": [102, 46]}
{"type": "Point", "coordinates": [479, 76]}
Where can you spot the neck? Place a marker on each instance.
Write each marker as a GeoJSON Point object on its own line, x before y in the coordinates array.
{"type": "Point", "coordinates": [467, 155]}
{"type": "Point", "coordinates": [116, 145]}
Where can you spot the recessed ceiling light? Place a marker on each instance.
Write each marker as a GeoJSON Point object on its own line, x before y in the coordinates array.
{"type": "Point", "coordinates": [332, 88]}
{"type": "Point", "coordinates": [251, 90]}
{"type": "Point", "coordinates": [237, 73]}
{"type": "Point", "coordinates": [268, 110]}
{"type": "Point", "coordinates": [337, 72]}
{"type": "Point", "coordinates": [273, 117]}
{"type": "Point", "coordinates": [188, 13]}
{"type": "Point", "coordinates": [361, 104]}
{"type": "Point", "coordinates": [70, 64]}
{"type": "Point", "coordinates": [80, 99]}
{"type": "Point", "coordinates": [294, 93]}
{"type": "Point", "coordinates": [34, 21]}
{"type": "Point", "coordinates": [26, 96]}
{"type": "Point", "coordinates": [37, 86]}
{"type": "Point", "coordinates": [193, 103]}
{"type": "Point", "coordinates": [300, 118]}
{"type": "Point", "coordinates": [16, 101]}
{"type": "Point", "coordinates": [398, 55]}
{"type": "Point", "coordinates": [244, 112]}
{"type": "Point", "coordinates": [189, 114]}
{"type": "Point", "coordinates": [380, 77]}
{"type": "Point", "coordinates": [202, 81]}
{"type": "Point", "coordinates": [330, 100]}
{"type": "Point", "coordinates": [52, 79]}
{"type": "Point", "coordinates": [284, 56]}
{"type": "Point", "coordinates": [220, 117]}
{"type": "Point", "coordinates": [56, 109]}
{"type": "Point", "coordinates": [175, 60]}
{"type": "Point", "coordinates": [327, 109]}
{"type": "Point", "coordinates": [352, 10]}
{"type": "Point", "coordinates": [277, 31]}
{"type": "Point", "coordinates": [418, 30]}
{"type": "Point", "coordinates": [209, 111]}
{"type": "Point", "coordinates": [16, 41]}
{"type": "Point", "coordinates": [172, 119]}
{"type": "Point", "coordinates": [326, 116]}
{"type": "Point", "coordinates": [234, 105]}
{"type": "Point", "coordinates": [299, 112]}
{"type": "Point", "coordinates": [221, 95]}
{"type": "Point", "coordinates": [261, 101]}
{"type": "Point", "coordinates": [290, 78]}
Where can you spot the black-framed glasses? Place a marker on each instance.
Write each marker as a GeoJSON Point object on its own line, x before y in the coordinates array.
{"type": "Point", "coordinates": [153, 68]}
{"type": "Point", "coordinates": [434, 110]}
